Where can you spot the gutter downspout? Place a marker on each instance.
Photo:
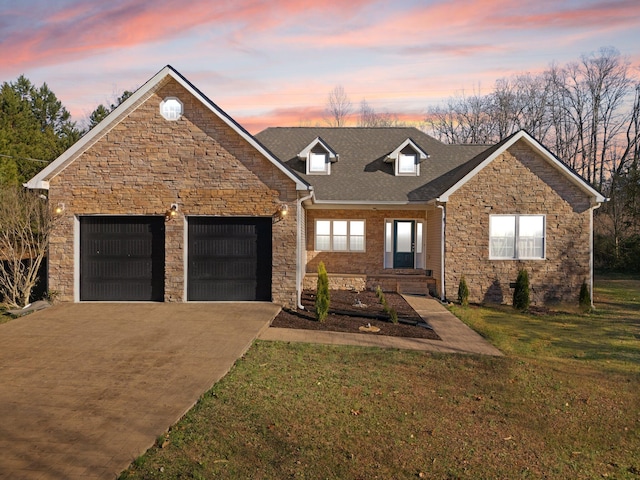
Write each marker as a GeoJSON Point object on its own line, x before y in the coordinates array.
{"type": "Point", "coordinates": [597, 205]}
{"type": "Point", "coordinates": [441, 206]}
{"type": "Point", "coordinates": [302, 249]}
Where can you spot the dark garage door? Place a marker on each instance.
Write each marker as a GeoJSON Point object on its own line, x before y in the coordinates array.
{"type": "Point", "coordinates": [229, 259]}
{"type": "Point", "coordinates": [122, 258]}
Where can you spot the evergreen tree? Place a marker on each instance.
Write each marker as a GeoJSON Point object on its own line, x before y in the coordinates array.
{"type": "Point", "coordinates": [463, 292]}
{"type": "Point", "coordinates": [521, 295]}
{"type": "Point", "coordinates": [35, 128]}
{"type": "Point", "coordinates": [322, 293]}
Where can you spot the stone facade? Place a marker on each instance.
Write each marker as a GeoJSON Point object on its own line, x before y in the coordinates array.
{"type": "Point", "coordinates": [145, 163]}
{"type": "Point", "coordinates": [519, 181]}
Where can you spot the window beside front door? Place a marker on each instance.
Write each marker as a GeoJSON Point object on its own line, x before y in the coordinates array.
{"type": "Point", "coordinates": [340, 235]}
{"type": "Point", "coordinates": [404, 242]}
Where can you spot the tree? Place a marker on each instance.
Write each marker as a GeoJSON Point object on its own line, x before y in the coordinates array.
{"type": "Point", "coordinates": [323, 299]}
{"type": "Point", "coordinates": [26, 223]}
{"type": "Point", "coordinates": [521, 295]}
{"type": "Point", "coordinates": [35, 128]}
{"type": "Point", "coordinates": [368, 117]}
{"type": "Point", "coordinates": [101, 111]}
{"type": "Point", "coordinates": [463, 292]}
{"type": "Point", "coordinates": [338, 107]}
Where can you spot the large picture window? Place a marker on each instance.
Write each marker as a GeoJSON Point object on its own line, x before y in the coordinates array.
{"type": "Point", "coordinates": [340, 235]}
{"type": "Point", "coordinates": [516, 236]}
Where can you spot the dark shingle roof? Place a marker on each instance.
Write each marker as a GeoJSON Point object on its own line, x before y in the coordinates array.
{"type": "Point", "coordinates": [361, 174]}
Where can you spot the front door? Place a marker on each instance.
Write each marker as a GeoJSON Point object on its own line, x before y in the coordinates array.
{"type": "Point", "coordinates": [404, 244]}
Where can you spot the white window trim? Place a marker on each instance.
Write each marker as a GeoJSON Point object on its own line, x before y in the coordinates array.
{"type": "Point", "coordinates": [348, 220]}
{"type": "Point", "coordinates": [171, 117]}
{"type": "Point", "coordinates": [517, 236]}
{"type": "Point", "coordinates": [327, 165]}
{"type": "Point", "coordinates": [416, 166]}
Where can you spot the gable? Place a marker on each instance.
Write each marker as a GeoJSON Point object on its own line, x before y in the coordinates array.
{"type": "Point", "coordinates": [145, 157]}
{"type": "Point", "coordinates": [518, 140]}
{"type": "Point", "coordinates": [143, 95]}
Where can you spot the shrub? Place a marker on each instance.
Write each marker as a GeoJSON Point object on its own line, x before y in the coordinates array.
{"type": "Point", "coordinates": [393, 315]}
{"type": "Point", "coordinates": [323, 299]}
{"type": "Point", "coordinates": [463, 292]}
{"type": "Point", "coordinates": [379, 293]}
{"type": "Point", "coordinates": [521, 296]}
{"type": "Point", "coordinates": [585, 296]}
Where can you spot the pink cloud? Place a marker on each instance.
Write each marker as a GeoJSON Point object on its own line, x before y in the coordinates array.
{"type": "Point", "coordinates": [452, 27]}
{"type": "Point", "coordinates": [84, 29]}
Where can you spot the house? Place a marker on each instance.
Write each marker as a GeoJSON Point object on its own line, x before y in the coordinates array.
{"type": "Point", "coordinates": [170, 199]}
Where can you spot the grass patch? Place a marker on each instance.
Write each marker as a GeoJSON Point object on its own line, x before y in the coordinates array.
{"type": "Point", "coordinates": [545, 410]}
{"type": "Point", "coordinates": [608, 336]}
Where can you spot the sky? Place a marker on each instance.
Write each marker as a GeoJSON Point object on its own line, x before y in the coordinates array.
{"type": "Point", "coordinates": [274, 62]}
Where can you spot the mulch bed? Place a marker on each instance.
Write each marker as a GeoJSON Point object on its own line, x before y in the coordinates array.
{"type": "Point", "coordinates": [345, 316]}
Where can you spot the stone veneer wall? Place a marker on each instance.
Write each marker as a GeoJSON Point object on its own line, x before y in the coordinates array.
{"type": "Point", "coordinates": [518, 182]}
{"type": "Point", "coordinates": [145, 163]}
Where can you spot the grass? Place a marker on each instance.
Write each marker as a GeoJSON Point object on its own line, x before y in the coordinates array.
{"type": "Point", "coordinates": [562, 403]}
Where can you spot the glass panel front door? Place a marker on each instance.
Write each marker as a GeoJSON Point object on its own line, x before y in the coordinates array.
{"type": "Point", "coordinates": [404, 244]}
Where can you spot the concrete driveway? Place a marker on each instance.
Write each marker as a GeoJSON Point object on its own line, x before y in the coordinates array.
{"type": "Point", "coordinates": [87, 388]}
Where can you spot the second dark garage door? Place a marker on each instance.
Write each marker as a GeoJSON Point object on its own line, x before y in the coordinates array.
{"type": "Point", "coordinates": [229, 259]}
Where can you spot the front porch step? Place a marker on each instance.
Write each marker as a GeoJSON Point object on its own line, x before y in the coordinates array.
{"type": "Point", "coordinates": [401, 283]}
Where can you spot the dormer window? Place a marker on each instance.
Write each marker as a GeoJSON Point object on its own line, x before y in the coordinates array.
{"type": "Point", "coordinates": [406, 159]}
{"type": "Point", "coordinates": [318, 162]}
{"type": "Point", "coordinates": [407, 163]}
{"type": "Point", "coordinates": [318, 156]}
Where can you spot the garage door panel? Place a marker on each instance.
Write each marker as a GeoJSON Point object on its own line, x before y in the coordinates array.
{"type": "Point", "coordinates": [122, 258]}
{"type": "Point", "coordinates": [229, 259]}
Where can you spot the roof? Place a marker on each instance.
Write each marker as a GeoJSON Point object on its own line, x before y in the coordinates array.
{"type": "Point", "coordinates": [41, 180]}
{"type": "Point", "coordinates": [362, 175]}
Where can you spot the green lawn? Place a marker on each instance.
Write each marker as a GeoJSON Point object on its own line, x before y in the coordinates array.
{"type": "Point", "coordinates": [563, 403]}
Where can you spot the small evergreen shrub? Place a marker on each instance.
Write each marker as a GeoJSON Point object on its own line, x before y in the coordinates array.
{"type": "Point", "coordinates": [393, 315]}
{"type": "Point", "coordinates": [322, 294]}
{"type": "Point", "coordinates": [379, 293]}
{"type": "Point", "coordinates": [463, 292]}
{"type": "Point", "coordinates": [585, 296]}
{"type": "Point", "coordinates": [521, 294]}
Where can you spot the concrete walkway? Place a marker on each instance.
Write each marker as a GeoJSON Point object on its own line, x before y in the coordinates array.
{"type": "Point", "coordinates": [87, 388]}
{"type": "Point", "coordinates": [456, 336]}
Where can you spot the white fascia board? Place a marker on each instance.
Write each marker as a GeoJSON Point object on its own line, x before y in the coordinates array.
{"type": "Point", "coordinates": [304, 154]}
{"type": "Point", "coordinates": [60, 163]}
{"type": "Point", "coordinates": [365, 205]}
{"type": "Point", "coordinates": [522, 135]}
{"type": "Point", "coordinates": [42, 178]}
{"type": "Point", "coordinates": [408, 142]}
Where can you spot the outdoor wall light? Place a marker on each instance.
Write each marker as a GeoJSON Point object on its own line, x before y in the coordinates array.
{"type": "Point", "coordinates": [172, 212]}
{"type": "Point", "coordinates": [281, 212]}
{"type": "Point", "coordinates": [59, 209]}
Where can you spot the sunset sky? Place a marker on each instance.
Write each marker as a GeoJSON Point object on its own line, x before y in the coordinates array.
{"type": "Point", "coordinates": [274, 62]}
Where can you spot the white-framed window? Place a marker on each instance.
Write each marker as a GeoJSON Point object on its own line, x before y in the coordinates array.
{"type": "Point", "coordinates": [516, 237]}
{"type": "Point", "coordinates": [318, 163]}
{"type": "Point", "coordinates": [340, 235]}
{"type": "Point", "coordinates": [407, 164]}
{"type": "Point", "coordinates": [171, 108]}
